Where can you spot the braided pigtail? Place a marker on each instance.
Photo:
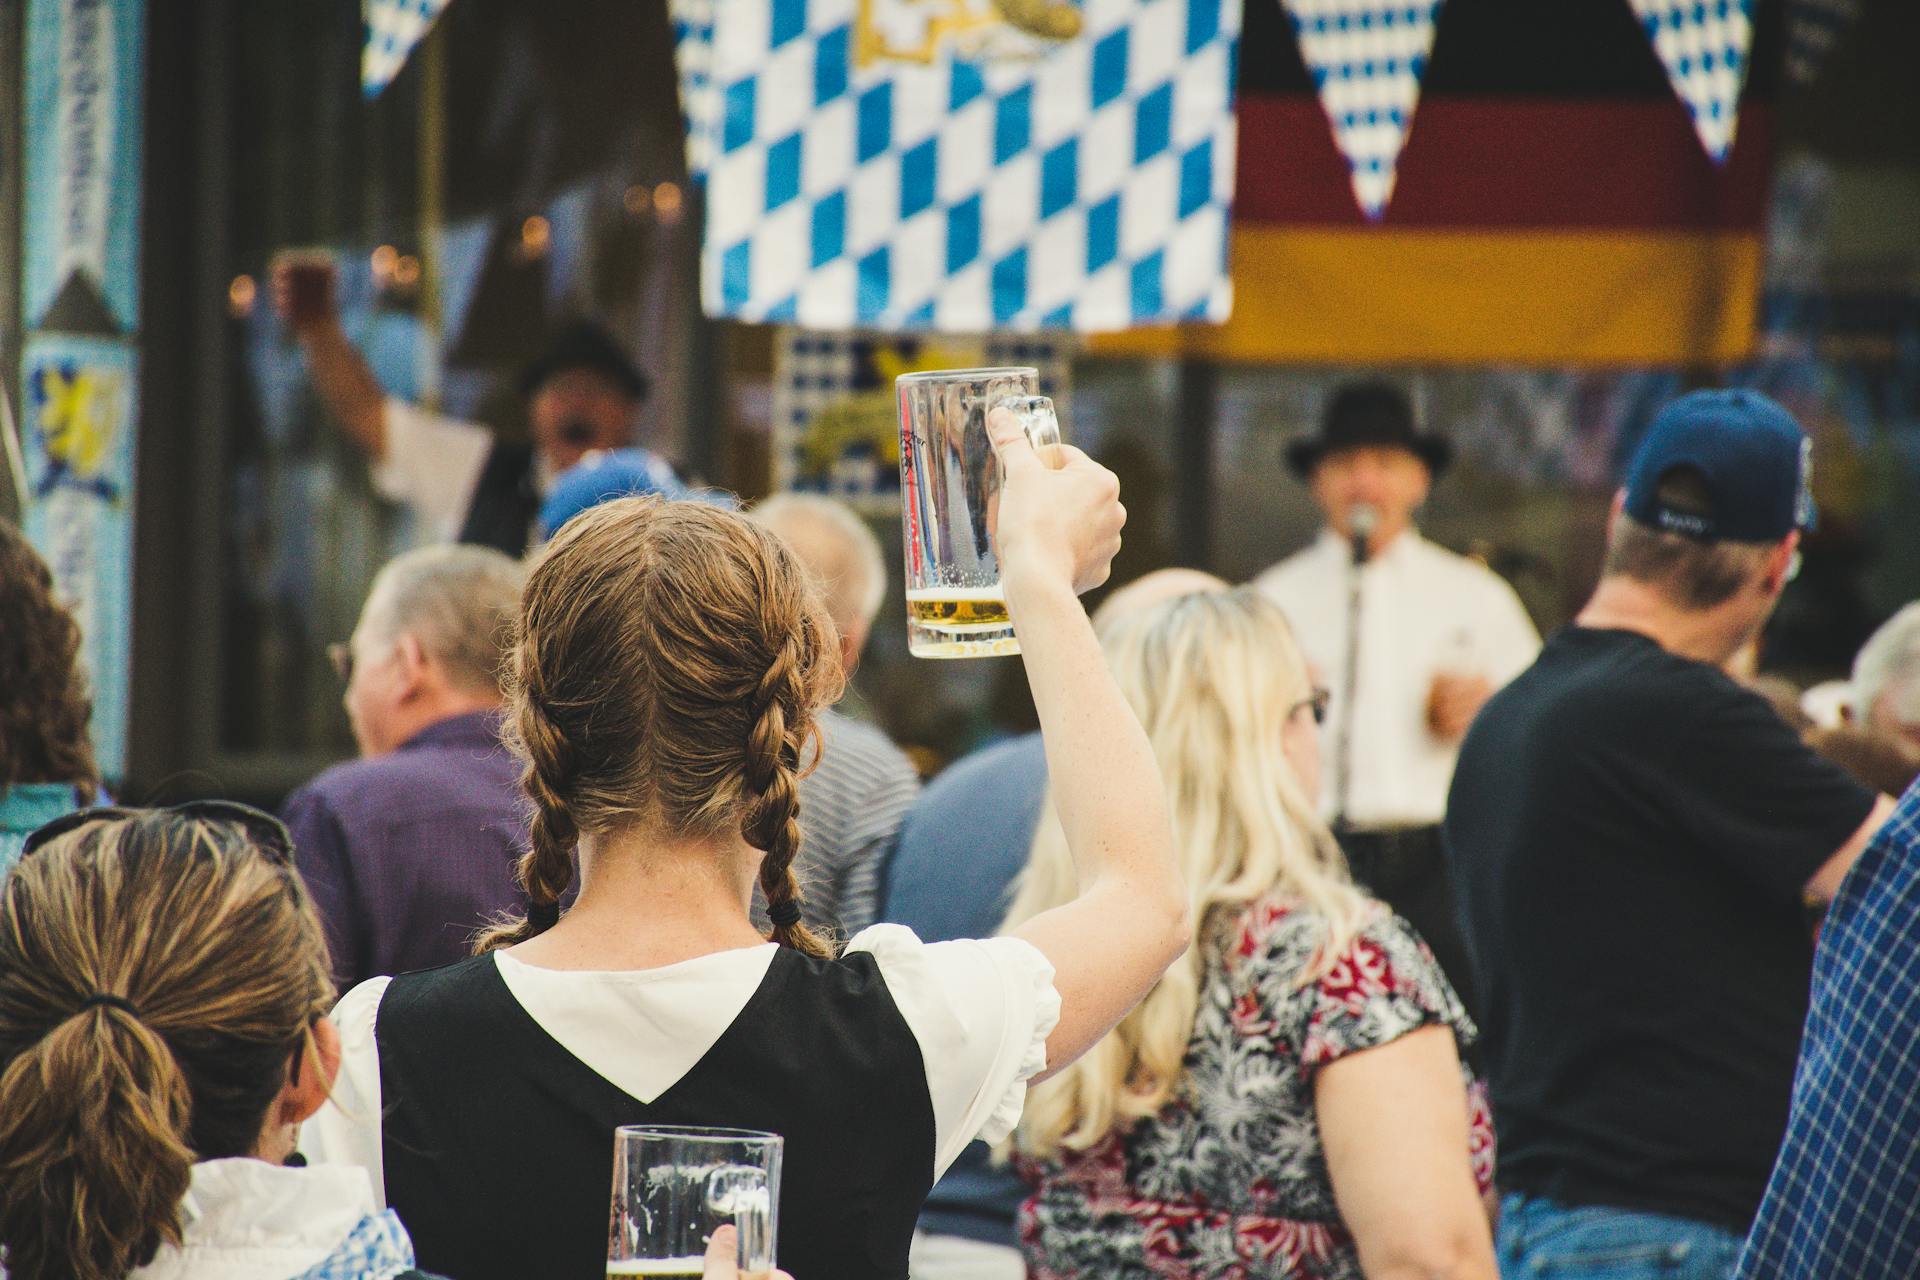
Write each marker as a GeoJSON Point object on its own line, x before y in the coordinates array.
{"type": "Point", "coordinates": [545, 870]}
{"type": "Point", "coordinates": [772, 786]}
{"type": "Point", "coordinates": [669, 662]}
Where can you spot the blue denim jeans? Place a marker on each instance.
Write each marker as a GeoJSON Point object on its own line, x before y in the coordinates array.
{"type": "Point", "coordinates": [1542, 1240]}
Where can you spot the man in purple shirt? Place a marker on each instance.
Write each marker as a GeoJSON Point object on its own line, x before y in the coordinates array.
{"type": "Point", "coordinates": [410, 849]}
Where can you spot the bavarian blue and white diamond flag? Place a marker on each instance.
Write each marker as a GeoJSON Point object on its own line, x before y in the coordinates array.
{"type": "Point", "coordinates": [968, 165]}
{"type": "Point", "coordinates": [1703, 45]}
{"type": "Point", "coordinates": [693, 66]}
{"type": "Point", "coordinates": [1366, 58]}
{"type": "Point", "coordinates": [394, 27]}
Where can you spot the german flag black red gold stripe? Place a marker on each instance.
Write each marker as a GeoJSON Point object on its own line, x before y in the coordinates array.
{"type": "Point", "coordinates": [1554, 205]}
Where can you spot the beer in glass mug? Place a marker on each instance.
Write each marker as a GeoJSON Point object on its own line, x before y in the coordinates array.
{"type": "Point", "coordinates": [674, 1187]}
{"type": "Point", "coordinates": [949, 499]}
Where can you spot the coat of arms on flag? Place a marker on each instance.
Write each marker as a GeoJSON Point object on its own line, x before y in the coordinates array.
{"type": "Point", "coordinates": [963, 165]}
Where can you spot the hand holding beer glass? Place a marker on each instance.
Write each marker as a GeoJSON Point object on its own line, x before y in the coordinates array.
{"type": "Point", "coordinates": [965, 437]}
{"type": "Point", "coordinates": [674, 1189]}
{"type": "Point", "coordinates": [303, 284]}
{"type": "Point", "coordinates": [1458, 691]}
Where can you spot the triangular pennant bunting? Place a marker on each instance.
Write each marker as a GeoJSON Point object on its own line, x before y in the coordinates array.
{"type": "Point", "coordinates": [1703, 45]}
{"type": "Point", "coordinates": [1366, 58]}
{"type": "Point", "coordinates": [394, 27]}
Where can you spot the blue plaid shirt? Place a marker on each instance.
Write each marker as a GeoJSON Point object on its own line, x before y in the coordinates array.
{"type": "Point", "coordinates": [1844, 1199]}
{"type": "Point", "coordinates": [376, 1249]}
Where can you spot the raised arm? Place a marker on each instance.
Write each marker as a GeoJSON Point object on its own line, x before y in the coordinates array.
{"type": "Point", "coordinates": [303, 297]}
{"type": "Point", "coordinates": [1057, 530]}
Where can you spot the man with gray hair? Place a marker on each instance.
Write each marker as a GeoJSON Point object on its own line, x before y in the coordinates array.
{"type": "Point", "coordinates": [1878, 742]}
{"type": "Point", "coordinates": [851, 806]}
{"type": "Point", "coordinates": [410, 849]}
{"type": "Point", "coordinates": [1886, 678]}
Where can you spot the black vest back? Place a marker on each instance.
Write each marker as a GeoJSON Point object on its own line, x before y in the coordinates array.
{"type": "Point", "coordinates": [498, 1143]}
{"type": "Point", "coordinates": [504, 501]}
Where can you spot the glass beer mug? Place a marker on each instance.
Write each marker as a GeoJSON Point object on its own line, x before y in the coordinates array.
{"type": "Point", "coordinates": [949, 493]}
{"type": "Point", "coordinates": [673, 1187]}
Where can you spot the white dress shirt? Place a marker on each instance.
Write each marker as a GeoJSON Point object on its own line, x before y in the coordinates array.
{"type": "Point", "coordinates": [1424, 611]}
{"type": "Point", "coordinates": [432, 466]}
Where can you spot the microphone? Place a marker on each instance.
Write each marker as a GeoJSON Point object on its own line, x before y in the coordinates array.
{"type": "Point", "coordinates": [1362, 520]}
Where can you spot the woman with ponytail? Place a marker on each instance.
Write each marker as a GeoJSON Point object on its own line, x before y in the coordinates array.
{"type": "Point", "coordinates": [163, 996]}
{"type": "Point", "coordinates": [669, 664]}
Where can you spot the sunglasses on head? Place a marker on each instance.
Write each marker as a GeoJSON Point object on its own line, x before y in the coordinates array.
{"type": "Point", "coordinates": [260, 827]}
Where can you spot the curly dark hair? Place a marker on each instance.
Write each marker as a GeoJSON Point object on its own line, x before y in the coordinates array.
{"type": "Point", "coordinates": [44, 706]}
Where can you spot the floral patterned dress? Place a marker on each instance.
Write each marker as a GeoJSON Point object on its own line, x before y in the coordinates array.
{"type": "Point", "coordinates": [1229, 1179]}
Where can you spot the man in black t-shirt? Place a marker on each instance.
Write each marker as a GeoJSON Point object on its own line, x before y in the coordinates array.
{"type": "Point", "coordinates": [1635, 837]}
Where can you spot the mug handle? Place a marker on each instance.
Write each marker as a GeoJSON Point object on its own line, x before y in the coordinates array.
{"type": "Point", "coordinates": [1036, 418]}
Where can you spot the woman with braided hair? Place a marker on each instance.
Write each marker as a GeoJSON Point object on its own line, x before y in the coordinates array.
{"type": "Point", "coordinates": [669, 664]}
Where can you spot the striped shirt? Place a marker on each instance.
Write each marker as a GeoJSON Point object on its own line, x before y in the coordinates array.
{"type": "Point", "coordinates": [851, 808]}
{"type": "Point", "coordinates": [1844, 1199]}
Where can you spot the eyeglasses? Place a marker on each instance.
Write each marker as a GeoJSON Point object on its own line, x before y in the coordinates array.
{"type": "Point", "coordinates": [260, 827]}
{"type": "Point", "coordinates": [340, 654]}
{"type": "Point", "coordinates": [1318, 701]}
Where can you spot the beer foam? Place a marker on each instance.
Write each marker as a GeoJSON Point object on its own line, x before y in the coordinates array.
{"type": "Point", "coordinates": [652, 1268]}
{"type": "Point", "coordinates": [995, 593]}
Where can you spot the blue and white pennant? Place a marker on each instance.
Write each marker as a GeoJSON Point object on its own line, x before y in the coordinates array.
{"type": "Point", "coordinates": [394, 27]}
{"type": "Point", "coordinates": [1703, 45]}
{"type": "Point", "coordinates": [1366, 58]}
{"type": "Point", "coordinates": [1085, 187]}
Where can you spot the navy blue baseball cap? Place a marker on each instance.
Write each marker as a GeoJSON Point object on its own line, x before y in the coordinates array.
{"type": "Point", "coordinates": [1752, 457]}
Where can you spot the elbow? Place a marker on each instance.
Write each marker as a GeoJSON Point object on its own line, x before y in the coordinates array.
{"type": "Point", "coordinates": [1441, 1255]}
{"type": "Point", "coordinates": [1176, 926]}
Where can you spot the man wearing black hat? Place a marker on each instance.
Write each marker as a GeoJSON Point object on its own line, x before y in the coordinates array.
{"type": "Point", "coordinates": [1411, 639]}
{"type": "Point", "coordinates": [461, 482]}
{"type": "Point", "coordinates": [1636, 837]}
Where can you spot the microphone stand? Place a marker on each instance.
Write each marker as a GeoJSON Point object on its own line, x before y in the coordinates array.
{"type": "Point", "coordinates": [1362, 523]}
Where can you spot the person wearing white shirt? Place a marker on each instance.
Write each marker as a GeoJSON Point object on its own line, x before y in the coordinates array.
{"type": "Point", "coordinates": [1437, 634]}
{"type": "Point", "coordinates": [461, 482]}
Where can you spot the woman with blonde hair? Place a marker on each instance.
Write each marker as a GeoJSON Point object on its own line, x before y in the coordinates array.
{"type": "Point", "coordinates": [1288, 1101]}
{"type": "Point", "coordinates": [163, 996]}
{"type": "Point", "coordinates": [671, 659]}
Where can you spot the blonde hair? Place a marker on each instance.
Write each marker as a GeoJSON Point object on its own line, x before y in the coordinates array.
{"type": "Point", "coordinates": [209, 969]}
{"type": "Point", "coordinates": [668, 665]}
{"type": "Point", "coordinates": [1214, 678]}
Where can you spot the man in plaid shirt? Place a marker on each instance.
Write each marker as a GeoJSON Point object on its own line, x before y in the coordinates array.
{"type": "Point", "coordinates": [1844, 1199]}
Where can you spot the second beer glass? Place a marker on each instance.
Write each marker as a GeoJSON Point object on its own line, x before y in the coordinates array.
{"type": "Point", "coordinates": [673, 1187]}
{"type": "Point", "coordinates": [949, 497]}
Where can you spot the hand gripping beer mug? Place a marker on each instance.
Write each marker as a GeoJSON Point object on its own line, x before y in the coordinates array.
{"type": "Point", "coordinates": [674, 1187]}
{"type": "Point", "coordinates": [949, 494]}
